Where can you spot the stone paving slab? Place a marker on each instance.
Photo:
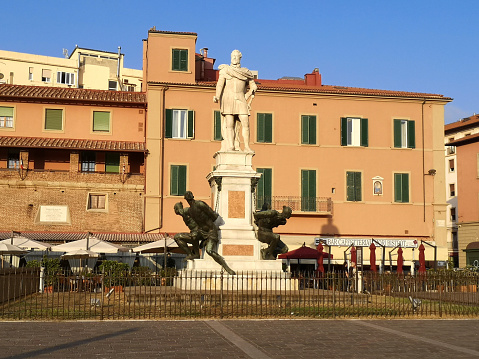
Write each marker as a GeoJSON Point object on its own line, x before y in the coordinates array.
{"type": "Point", "coordinates": [231, 339]}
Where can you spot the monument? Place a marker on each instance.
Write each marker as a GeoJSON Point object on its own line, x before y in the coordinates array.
{"type": "Point", "coordinates": [233, 184]}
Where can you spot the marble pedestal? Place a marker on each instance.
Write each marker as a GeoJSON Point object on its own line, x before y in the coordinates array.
{"type": "Point", "coordinates": [233, 183]}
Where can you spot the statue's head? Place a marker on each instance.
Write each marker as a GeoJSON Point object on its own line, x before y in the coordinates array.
{"type": "Point", "coordinates": [287, 212]}
{"type": "Point", "coordinates": [189, 195]}
{"type": "Point", "coordinates": [236, 57]}
{"type": "Point", "coordinates": [178, 208]}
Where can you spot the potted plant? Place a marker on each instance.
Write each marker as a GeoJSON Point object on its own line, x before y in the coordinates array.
{"type": "Point", "coordinates": [114, 274]}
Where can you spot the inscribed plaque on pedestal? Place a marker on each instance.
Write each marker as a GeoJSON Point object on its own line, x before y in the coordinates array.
{"type": "Point", "coordinates": [236, 205]}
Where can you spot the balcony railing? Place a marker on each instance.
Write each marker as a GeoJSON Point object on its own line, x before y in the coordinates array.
{"type": "Point", "coordinates": [322, 205]}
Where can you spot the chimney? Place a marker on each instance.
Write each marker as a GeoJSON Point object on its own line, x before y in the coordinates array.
{"type": "Point", "coordinates": [313, 79]}
{"type": "Point", "coordinates": [204, 52]}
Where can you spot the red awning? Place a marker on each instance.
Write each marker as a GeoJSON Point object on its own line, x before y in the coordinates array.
{"type": "Point", "coordinates": [303, 253]}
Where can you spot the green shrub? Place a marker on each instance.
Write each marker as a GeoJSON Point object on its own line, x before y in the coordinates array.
{"type": "Point", "coordinates": [114, 272]}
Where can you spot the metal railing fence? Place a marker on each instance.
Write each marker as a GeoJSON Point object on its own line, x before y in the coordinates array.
{"type": "Point", "coordinates": [145, 295]}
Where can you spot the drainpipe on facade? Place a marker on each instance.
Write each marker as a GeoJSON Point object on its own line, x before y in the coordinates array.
{"type": "Point", "coordinates": [120, 87]}
{"type": "Point", "coordinates": [423, 161]}
{"type": "Point", "coordinates": [162, 164]}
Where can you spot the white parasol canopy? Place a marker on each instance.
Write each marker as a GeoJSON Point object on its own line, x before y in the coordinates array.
{"type": "Point", "coordinates": [26, 243]}
{"type": "Point", "coordinates": [6, 248]}
{"type": "Point", "coordinates": [80, 254]}
{"type": "Point", "coordinates": [92, 244]}
{"type": "Point", "coordinates": [159, 246]}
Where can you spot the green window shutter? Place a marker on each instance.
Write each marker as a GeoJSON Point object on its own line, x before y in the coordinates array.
{"type": "Point", "coordinates": [344, 131]}
{"type": "Point", "coordinates": [397, 133]}
{"type": "Point", "coordinates": [217, 126]}
{"type": "Point", "coordinates": [191, 124]}
{"type": "Point", "coordinates": [263, 194]}
{"type": "Point", "coordinates": [364, 132]}
{"type": "Point", "coordinates": [312, 130]}
{"type": "Point", "coordinates": [6, 111]}
{"type": "Point", "coordinates": [178, 180]}
{"type": "Point", "coordinates": [53, 119]}
{"type": "Point", "coordinates": [181, 180]}
{"type": "Point", "coordinates": [308, 190]}
{"type": "Point", "coordinates": [112, 162]}
{"type": "Point", "coordinates": [101, 121]}
{"type": "Point", "coordinates": [411, 134]}
{"type": "Point", "coordinates": [350, 186]}
{"type": "Point", "coordinates": [397, 187]}
{"type": "Point", "coordinates": [260, 123]}
{"type": "Point", "coordinates": [169, 123]}
{"type": "Point", "coordinates": [357, 186]}
{"type": "Point", "coordinates": [176, 60]}
{"type": "Point", "coordinates": [183, 60]}
{"type": "Point", "coordinates": [405, 187]}
{"type": "Point", "coordinates": [268, 128]}
{"type": "Point", "coordinates": [304, 129]}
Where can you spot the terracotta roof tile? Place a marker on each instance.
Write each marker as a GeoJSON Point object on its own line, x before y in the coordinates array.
{"type": "Point", "coordinates": [271, 85]}
{"type": "Point", "coordinates": [173, 32]}
{"type": "Point", "coordinates": [471, 121]}
{"type": "Point", "coordinates": [464, 140]}
{"type": "Point", "coordinates": [57, 237]}
{"type": "Point", "coordinates": [39, 142]}
{"type": "Point", "coordinates": [16, 92]}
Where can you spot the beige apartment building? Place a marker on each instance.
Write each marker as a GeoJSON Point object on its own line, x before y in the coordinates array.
{"type": "Point", "coordinates": [83, 68]}
{"type": "Point", "coordinates": [354, 164]}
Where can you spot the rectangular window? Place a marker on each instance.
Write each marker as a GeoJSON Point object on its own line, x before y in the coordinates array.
{"type": "Point", "coordinates": [101, 121]}
{"type": "Point", "coordinates": [217, 126]}
{"type": "Point", "coordinates": [354, 132]}
{"type": "Point", "coordinates": [452, 189]}
{"type": "Point", "coordinates": [308, 190]}
{"type": "Point", "coordinates": [46, 75]}
{"type": "Point", "coordinates": [112, 162]}
{"type": "Point", "coordinates": [308, 130]}
{"type": "Point", "coordinates": [451, 165]}
{"type": "Point", "coordinates": [88, 160]}
{"type": "Point", "coordinates": [30, 73]}
{"type": "Point", "coordinates": [353, 186]}
{"type": "Point", "coordinates": [404, 134]}
{"type": "Point", "coordinates": [112, 85]}
{"type": "Point", "coordinates": [264, 127]}
{"type": "Point", "coordinates": [263, 190]}
{"type": "Point", "coordinates": [179, 60]}
{"type": "Point", "coordinates": [67, 78]}
{"type": "Point", "coordinates": [53, 119]}
{"type": "Point", "coordinates": [6, 117]}
{"type": "Point", "coordinates": [179, 124]}
{"type": "Point", "coordinates": [401, 187]}
{"type": "Point", "coordinates": [96, 201]}
{"type": "Point", "coordinates": [177, 180]}
{"type": "Point", "coordinates": [13, 159]}
{"type": "Point", "coordinates": [453, 214]}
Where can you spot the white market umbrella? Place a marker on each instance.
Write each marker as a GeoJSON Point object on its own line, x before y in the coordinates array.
{"type": "Point", "coordinates": [26, 243]}
{"type": "Point", "coordinates": [91, 244]}
{"type": "Point", "coordinates": [159, 246]}
{"type": "Point", "coordinates": [6, 248]}
{"type": "Point", "coordinates": [79, 254]}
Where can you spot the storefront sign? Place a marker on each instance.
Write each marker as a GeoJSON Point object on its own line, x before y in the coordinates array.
{"type": "Point", "coordinates": [366, 242]}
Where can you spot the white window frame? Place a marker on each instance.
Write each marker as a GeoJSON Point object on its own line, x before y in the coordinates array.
{"type": "Point", "coordinates": [353, 131]}
{"type": "Point", "coordinates": [66, 78]}
{"type": "Point", "coordinates": [404, 133]}
{"type": "Point", "coordinates": [179, 124]}
{"type": "Point", "coordinates": [111, 88]}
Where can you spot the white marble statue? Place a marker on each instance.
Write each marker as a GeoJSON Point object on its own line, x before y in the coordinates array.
{"type": "Point", "coordinates": [235, 90]}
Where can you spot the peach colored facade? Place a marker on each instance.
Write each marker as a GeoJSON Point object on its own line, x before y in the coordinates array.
{"type": "Point", "coordinates": [421, 217]}
{"type": "Point", "coordinates": [467, 149]}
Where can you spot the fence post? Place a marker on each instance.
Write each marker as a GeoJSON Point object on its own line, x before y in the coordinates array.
{"type": "Point", "coordinates": [102, 292]}
{"type": "Point", "coordinates": [334, 295]}
{"type": "Point", "coordinates": [221, 292]}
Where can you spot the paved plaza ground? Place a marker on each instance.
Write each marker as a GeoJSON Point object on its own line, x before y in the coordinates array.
{"type": "Point", "coordinates": [242, 339]}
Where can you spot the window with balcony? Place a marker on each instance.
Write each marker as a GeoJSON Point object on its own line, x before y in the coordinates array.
{"type": "Point", "coordinates": [263, 189]}
{"type": "Point", "coordinates": [354, 131]}
{"type": "Point", "coordinates": [404, 134]}
{"type": "Point", "coordinates": [308, 190]}
{"type": "Point", "coordinates": [179, 123]}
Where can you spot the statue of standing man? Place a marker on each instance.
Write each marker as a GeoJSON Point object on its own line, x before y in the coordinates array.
{"type": "Point", "coordinates": [234, 88]}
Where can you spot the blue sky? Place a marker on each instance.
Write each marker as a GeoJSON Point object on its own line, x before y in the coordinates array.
{"type": "Point", "coordinates": [409, 45]}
